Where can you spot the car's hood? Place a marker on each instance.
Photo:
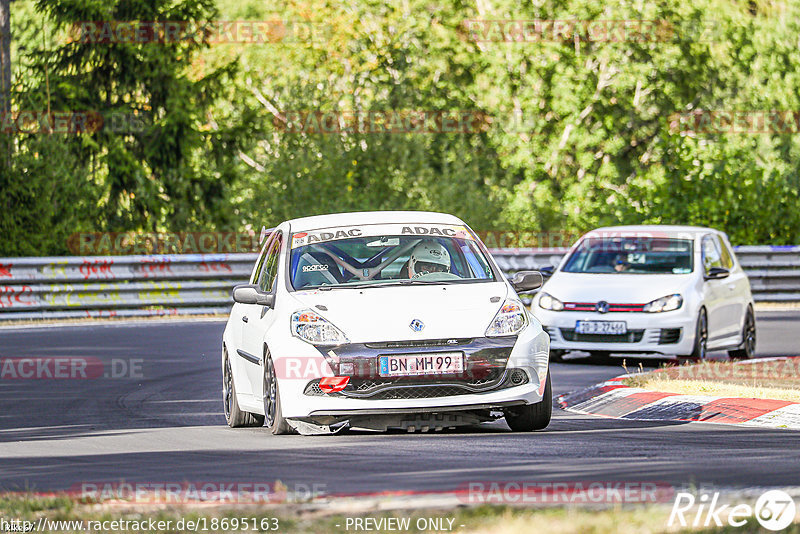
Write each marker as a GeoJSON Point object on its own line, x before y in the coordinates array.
{"type": "Point", "coordinates": [385, 314]}
{"type": "Point", "coordinates": [615, 288]}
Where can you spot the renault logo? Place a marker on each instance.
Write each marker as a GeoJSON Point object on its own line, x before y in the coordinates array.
{"type": "Point", "coordinates": [416, 325]}
{"type": "Point", "coordinates": [602, 307]}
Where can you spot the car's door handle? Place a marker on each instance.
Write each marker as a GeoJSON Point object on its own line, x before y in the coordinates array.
{"type": "Point", "coordinates": [731, 287]}
{"type": "Point", "coordinates": [244, 318]}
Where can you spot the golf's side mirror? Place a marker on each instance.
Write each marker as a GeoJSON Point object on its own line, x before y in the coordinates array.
{"type": "Point", "coordinates": [251, 294]}
{"type": "Point", "coordinates": [717, 273]}
{"type": "Point", "coordinates": [548, 271]}
{"type": "Point", "coordinates": [526, 281]}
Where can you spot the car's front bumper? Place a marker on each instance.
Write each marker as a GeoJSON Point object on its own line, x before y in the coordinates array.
{"type": "Point", "coordinates": [665, 333]}
{"type": "Point", "coordinates": [528, 353]}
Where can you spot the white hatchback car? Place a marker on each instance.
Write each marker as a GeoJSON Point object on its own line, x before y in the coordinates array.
{"type": "Point", "coordinates": [382, 320]}
{"type": "Point", "coordinates": [675, 290]}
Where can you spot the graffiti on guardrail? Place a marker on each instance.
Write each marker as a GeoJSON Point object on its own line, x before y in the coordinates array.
{"type": "Point", "coordinates": [11, 296]}
{"type": "Point", "coordinates": [101, 268]}
{"type": "Point", "coordinates": [153, 268]}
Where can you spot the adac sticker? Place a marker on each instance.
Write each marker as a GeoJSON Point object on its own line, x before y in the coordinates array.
{"type": "Point", "coordinates": [309, 238]}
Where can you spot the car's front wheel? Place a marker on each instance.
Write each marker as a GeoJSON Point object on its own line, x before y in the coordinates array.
{"type": "Point", "coordinates": [234, 416]}
{"type": "Point", "coordinates": [748, 347]}
{"type": "Point", "coordinates": [532, 416]}
{"type": "Point", "coordinates": [272, 401]}
{"type": "Point", "coordinates": [700, 340]}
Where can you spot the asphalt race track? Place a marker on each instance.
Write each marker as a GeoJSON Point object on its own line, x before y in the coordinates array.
{"type": "Point", "coordinates": [168, 427]}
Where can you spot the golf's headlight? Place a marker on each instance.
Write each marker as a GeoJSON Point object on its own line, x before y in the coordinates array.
{"type": "Point", "coordinates": [664, 304]}
{"type": "Point", "coordinates": [549, 302]}
{"type": "Point", "coordinates": [510, 320]}
{"type": "Point", "coordinates": [313, 328]}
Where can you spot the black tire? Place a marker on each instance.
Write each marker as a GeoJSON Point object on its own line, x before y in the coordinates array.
{"type": "Point", "coordinates": [557, 355]}
{"type": "Point", "coordinates": [700, 349]}
{"type": "Point", "coordinates": [748, 347]}
{"type": "Point", "coordinates": [532, 416]}
{"type": "Point", "coordinates": [273, 415]}
{"type": "Point", "coordinates": [234, 416]}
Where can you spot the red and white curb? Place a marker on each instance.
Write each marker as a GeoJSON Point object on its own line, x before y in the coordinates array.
{"type": "Point", "coordinates": [616, 400]}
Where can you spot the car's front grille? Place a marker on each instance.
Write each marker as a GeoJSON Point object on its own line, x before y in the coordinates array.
{"type": "Point", "coordinates": [669, 336]}
{"type": "Point", "coordinates": [633, 336]}
{"type": "Point", "coordinates": [449, 342]}
{"type": "Point", "coordinates": [610, 307]}
{"type": "Point", "coordinates": [392, 390]}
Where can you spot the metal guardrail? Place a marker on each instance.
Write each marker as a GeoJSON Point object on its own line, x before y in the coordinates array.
{"type": "Point", "coordinates": [132, 286]}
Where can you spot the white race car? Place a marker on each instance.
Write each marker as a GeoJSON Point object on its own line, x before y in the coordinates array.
{"type": "Point", "coordinates": [382, 320]}
{"type": "Point", "coordinates": [649, 289]}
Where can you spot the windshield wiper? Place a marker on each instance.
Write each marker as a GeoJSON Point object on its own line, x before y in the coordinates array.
{"type": "Point", "coordinates": [393, 283]}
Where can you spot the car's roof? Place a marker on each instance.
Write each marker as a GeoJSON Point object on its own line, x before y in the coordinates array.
{"type": "Point", "coordinates": [371, 217]}
{"type": "Point", "coordinates": [656, 228]}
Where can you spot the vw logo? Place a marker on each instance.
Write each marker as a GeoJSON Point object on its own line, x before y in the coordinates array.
{"type": "Point", "coordinates": [416, 325]}
{"type": "Point", "coordinates": [602, 307]}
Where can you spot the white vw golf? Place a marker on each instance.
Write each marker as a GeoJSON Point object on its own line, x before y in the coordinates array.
{"type": "Point", "coordinates": [675, 290]}
{"type": "Point", "coordinates": [382, 320]}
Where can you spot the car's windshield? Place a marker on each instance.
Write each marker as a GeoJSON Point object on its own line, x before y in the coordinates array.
{"type": "Point", "coordinates": [635, 255]}
{"type": "Point", "coordinates": [386, 254]}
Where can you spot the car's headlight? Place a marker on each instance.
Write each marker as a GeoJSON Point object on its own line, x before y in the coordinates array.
{"type": "Point", "coordinates": [510, 320]}
{"type": "Point", "coordinates": [310, 326]}
{"type": "Point", "coordinates": [664, 304]}
{"type": "Point", "coordinates": [549, 302]}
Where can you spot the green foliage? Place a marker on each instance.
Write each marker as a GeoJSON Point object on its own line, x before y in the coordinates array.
{"type": "Point", "coordinates": [583, 131]}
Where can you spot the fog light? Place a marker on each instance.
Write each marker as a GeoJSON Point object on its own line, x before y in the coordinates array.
{"type": "Point", "coordinates": [518, 377]}
{"type": "Point", "coordinates": [332, 384]}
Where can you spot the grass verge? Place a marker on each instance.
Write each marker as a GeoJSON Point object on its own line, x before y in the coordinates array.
{"type": "Point", "coordinates": [769, 379]}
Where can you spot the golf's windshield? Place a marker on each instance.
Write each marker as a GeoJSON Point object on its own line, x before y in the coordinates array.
{"type": "Point", "coordinates": [386, 254]}
{"type": "Point", "coordinates": [636, 255]}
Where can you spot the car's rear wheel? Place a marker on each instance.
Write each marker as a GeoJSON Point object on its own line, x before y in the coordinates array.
{"type": "Point", "coordinates": [272, 401]}
{"type": "Point", "coordinates": [748, 348]}
{"type": "Point", "coordinates": [532, 416]}
{"type": "Point", "coordinates": [700, 340]}
{"type": "Point", "coordinates": [234, 416]}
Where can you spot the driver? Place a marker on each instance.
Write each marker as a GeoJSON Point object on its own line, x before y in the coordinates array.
{"type": "Point", "coordinates": [621, 263]}
{"type": "Point", "coordinates": [427, 257]}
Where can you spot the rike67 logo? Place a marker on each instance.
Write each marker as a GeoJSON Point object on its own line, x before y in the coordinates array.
{"type": "Point", "coordinates": [774, 510]}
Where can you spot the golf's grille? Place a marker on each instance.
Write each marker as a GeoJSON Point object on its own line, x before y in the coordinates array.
{"type": "Point", "coordinates": [392, 390]}
{"type": "Point", "coordinates": [669, 336]}
{"type": "Point", "coordinates": [593, 306]}
{"type": "Point", "coordinates": [633, 336]}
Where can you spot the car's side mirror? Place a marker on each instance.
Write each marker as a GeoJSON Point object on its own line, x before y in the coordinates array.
{"type": "Point", "coordinates": [717, 273]}
{"type": "Point", "coordinates": [548, 271]}
{"type": "Point", "coordinates": [526, 281]}
{"type": "Point", "coordinates": [251, 294]}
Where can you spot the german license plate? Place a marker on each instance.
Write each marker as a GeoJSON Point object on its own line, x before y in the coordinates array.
{"type": "Point", "coordinates": [440, 363]}
{"type": "Point", "coordinates": [601, 327]}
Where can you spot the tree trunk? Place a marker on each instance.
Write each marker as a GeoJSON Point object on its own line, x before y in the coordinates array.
{"type": "Point", "coordinates": [5, 55]}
